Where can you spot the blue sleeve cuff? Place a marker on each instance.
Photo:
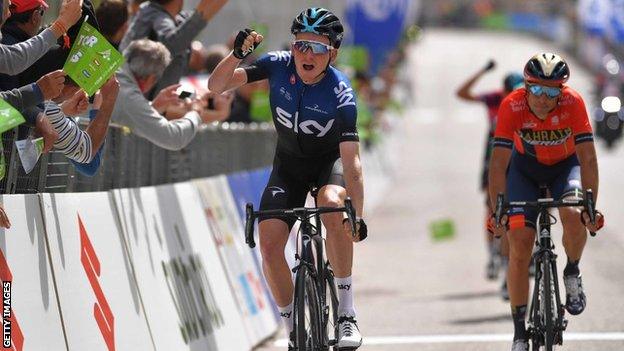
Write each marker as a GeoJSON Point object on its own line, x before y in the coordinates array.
{"type": "Point", "coordinates": [91, 168]}
{"type": "Point", "coordinates": [37, 91]}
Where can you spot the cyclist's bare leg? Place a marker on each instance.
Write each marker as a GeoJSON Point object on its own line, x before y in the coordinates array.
{"type": "Point", "coordinates": [339, 245]}
{"type": "Point", "coordinates": [340, 254]}
{"type": "Point", "coordinates": [574, 239]}
{"type": "Point", "coordinates": [505, 245]}
{"type": "Point", "coordinates": [574, 233]}
{"type": "Point", "coordinates": [273, 239]}
{"type": "Point", "coordinates": [521, 243]}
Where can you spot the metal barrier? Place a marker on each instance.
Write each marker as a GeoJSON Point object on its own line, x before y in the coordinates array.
{"type": "Point", "coordinates": [130, 161]}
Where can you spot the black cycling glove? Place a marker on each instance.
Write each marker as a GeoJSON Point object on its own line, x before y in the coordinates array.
{"type": "Point", "coordinates": [238, 44]}
{"type": "Point", "coordinates": [363, 229]}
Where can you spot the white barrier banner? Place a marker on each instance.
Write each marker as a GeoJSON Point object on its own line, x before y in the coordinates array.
{"type": "Point", "coordinates": [97, 290]}
{"type": "Point", "coordinates": [27, 285]}
{"type": "Point", "coordinates": [187, 300]}
{"type": "Point", "coordinates": [228, 232]}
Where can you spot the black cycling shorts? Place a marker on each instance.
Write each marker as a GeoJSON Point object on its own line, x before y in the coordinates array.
{"type": "Point", "coordinates": [524, 177]}
{"type": "Point", "coordinates": [292, 177]}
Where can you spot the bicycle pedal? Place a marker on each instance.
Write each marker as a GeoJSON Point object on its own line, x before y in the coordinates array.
{"type": "Point", "coordinates": [332, 342]}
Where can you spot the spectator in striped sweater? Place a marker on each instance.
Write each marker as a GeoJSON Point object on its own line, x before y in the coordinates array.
{"type": "Point", "coordinates": [78, 145]}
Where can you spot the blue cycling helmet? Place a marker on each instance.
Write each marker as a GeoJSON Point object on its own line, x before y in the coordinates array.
{"type": "Point", "coordinates": [513, 81]}
{"type": "Point", "coordinates": [321, 21]}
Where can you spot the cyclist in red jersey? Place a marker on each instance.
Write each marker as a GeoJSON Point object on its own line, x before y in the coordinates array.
{"type": "Point", "coordinates": [498, 251]}
{"type": "Point", "coordinates": [543, 137]}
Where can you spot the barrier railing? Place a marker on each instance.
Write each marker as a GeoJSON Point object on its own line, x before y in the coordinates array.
{"type": "Point", "coordinates": [130, 161]}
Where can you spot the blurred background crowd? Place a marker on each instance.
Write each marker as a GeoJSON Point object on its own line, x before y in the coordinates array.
{"type": "Point", "coordinates": [159, 123]}
{"type": "Point", "coordinates": [164, 125]}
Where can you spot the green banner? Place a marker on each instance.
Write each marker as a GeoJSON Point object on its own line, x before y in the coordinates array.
{"type": "Point", "coordinates": [9, 117]}
{"type": "Point", "coordinates": [92, 59]}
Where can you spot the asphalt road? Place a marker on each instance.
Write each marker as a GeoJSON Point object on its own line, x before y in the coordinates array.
{"type": "Point", "coordinates": [413, 293]}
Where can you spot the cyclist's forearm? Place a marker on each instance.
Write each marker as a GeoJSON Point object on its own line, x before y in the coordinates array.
{"type": "Point", "coordinates": [222, 75]}
{"type": "Point", "coordinates": [497, 177]}
{"type": "Point", "coordinates": [586, 154]}
{"type": "Point", "coordinates": [497, 182]}
{"type": "Point", "coordinates": [589, 176]}
{"type": "Point", "coordinates": [354, 182]}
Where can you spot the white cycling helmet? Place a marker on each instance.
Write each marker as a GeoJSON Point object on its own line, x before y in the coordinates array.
{"type": "Point", "coordinates": [547, 68]}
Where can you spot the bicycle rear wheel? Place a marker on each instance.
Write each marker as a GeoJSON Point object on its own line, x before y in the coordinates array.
{"type": "Point", "coordinates": [307, 320]}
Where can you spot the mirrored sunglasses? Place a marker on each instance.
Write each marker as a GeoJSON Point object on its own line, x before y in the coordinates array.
{"type": "Point", "coordinates": [317, 48]}
{"type": "Point", "coordinates": [538, 90]}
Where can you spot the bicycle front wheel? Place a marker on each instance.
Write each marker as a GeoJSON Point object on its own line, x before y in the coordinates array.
{"type": "Point", "coordinates": [307, 312]}
{"type": "Point", "coordinates": [548, 297]}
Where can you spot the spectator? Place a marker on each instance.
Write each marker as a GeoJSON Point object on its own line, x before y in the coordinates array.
{"type": "Point", "coordinates": [163, 21]}
{"type": "Point", "coordinates": [47, 87]}
{"type": "Point", "coordinates": [146, 61]}
{"type": "Point", "coordinates": [16, 58]}
{"type": "Point", "coordinates": [77, 145]}
{"type": "Point", "coordinates": [55, 58]}
{"type": "Point", "coordinates": [133, 7]}
{"type": "Point", "coordinates": [112, 15]}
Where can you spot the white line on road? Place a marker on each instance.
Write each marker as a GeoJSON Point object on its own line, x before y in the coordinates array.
{"type": "Point", "coordinates": [441, 339]}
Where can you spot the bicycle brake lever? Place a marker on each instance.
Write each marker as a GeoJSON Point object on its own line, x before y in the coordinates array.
{"type": "Point", "coordinates": [590, 208]}
{"type": "Point", "coordinates": [350, 215]}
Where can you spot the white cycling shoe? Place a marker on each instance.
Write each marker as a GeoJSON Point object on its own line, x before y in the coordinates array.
{"type": "Point", "coordinates": [349, 337]}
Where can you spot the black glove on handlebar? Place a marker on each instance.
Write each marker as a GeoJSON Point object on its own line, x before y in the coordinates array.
{"type": "Point", "coordinates": [238, 44]}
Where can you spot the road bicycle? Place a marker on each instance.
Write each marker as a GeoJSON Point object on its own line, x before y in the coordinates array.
{"type": "Point", "coordinates": [315, 304]}
{"type": "Point", "coordinates": [546, 312]}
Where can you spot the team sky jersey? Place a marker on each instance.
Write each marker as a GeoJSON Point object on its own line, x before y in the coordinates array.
{"type": "Point", "coordinates": [311, 120]}
{"type": "Point", "coordinates": [549, 141]}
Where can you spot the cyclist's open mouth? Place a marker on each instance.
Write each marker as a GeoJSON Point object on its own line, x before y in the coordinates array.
{"type": "Point", "coordinates": [308, 67]}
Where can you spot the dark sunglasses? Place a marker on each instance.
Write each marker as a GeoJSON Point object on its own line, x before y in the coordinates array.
{"type": "Point", "coordinates": [317, 48]}
{"type": "Point", "coordinates": [538, 90]}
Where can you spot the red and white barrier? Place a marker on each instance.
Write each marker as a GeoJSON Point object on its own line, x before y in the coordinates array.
{"type": "Point", "coordinates": [225, 224]}
{"type": "Point", "coordinates": [187, 297]}
{"type": "Point", "coordinates": [27, 283]}
{"type": "Point", "coordinates": [97, 291]}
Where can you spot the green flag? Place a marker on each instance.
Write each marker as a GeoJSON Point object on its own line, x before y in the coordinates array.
{"type": "Point", "coordinates": [9, 117]}
{"type": "Point", "coordinates": [92, 59]}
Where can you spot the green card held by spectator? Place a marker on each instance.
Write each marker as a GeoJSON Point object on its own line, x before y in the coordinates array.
{"type": "Point", "coordinates": [92, 60]}
{"type": "Point", "coordinates": [9, 117]}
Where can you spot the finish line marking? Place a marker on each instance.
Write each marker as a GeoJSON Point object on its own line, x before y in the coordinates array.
{"type": "Point", "coordinates": [443, 339]}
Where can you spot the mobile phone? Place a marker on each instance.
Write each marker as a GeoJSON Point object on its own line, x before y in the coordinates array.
{"type": "Point", "coordinates": [210, 104]}
{"type": "Point", "coordinates": [185, 94]}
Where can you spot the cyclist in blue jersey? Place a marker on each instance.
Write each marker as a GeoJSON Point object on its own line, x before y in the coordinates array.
{"type": "Point", "coordinates": [314, 111]}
